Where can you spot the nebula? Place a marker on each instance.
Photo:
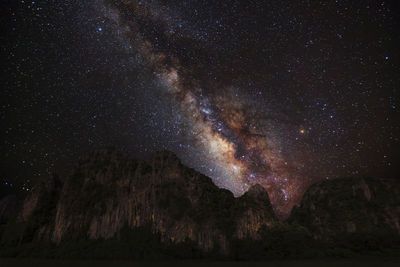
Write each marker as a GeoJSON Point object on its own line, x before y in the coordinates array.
{"type": "Point", "coordinates": [235, 140]}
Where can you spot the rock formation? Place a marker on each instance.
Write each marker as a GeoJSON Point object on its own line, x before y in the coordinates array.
{"type": "Point", "coordinates": [109, 191]}
{"type": "Point", "coordinates": [110, 197]}
{"type": "Point", "coordinates": [334, 208]}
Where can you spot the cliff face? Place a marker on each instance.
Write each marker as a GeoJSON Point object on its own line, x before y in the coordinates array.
{"type": "Point", "coordinates": [108, 191]}
{"type": "Point", "coordinates": [350, 206]}
{"type": "Point", "coordinates": [137, 206]}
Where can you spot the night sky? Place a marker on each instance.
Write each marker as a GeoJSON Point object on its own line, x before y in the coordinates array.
{"type": "Point", "coordinates": [280, 93]}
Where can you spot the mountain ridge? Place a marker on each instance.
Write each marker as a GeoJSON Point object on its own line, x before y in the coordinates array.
{"type": "Point", "coordinates": [112, 198]}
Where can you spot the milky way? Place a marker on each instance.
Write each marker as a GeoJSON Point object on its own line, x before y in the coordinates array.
{"type": "Point", "coordinates": [229, 133]}
{"type": "Point", "coordinates": [277, 93]}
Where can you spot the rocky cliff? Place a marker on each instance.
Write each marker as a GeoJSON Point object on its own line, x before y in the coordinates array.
{"type": "Point", "coordinates": [146, 208]}
{"type": "Point", "coordinates": [108, 191]}
{"type": "Point", "coordinates": [340, 207]}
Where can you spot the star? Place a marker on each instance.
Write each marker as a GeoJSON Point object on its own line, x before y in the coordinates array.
{"type": "Point", "coordinates": [225, 87]}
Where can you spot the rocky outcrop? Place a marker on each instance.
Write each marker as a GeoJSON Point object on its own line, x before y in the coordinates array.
{"type": "Point", "coordinates": [139, 206]}
{"type": "Point", "coordinates": [109, 191]}
{"type": "Point", "coordinates": [256, 214]}
{"type": "Point", "coordinates": [336, 208]}
{"type": "Point", "coordinates": [33, 217]}
{"type": "Point", "coordinates": [40, 196]}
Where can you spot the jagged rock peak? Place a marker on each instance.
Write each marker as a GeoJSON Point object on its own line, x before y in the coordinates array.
{"type": "Point", "coordinates": [257, 191]}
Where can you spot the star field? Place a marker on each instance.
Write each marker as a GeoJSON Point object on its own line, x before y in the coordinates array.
{"type": "Point", "coordinates": [280, 94]}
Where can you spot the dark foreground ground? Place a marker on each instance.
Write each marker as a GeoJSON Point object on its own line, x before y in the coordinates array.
{"type": "Point", "coordinates": [294, 263]}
